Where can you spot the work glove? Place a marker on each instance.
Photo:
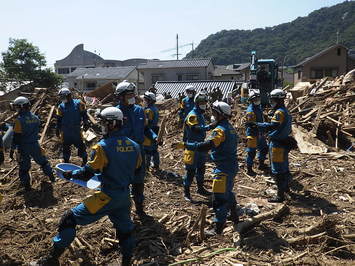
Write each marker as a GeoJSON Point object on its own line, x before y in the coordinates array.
{"type": "Point", "coordinates": [1, 157]}
{"type": "Point", "coordinates": [86, 126]}
{"type": "Point", "coordinates": [251, 124]}
{"type": "Point", "coordinates": [57, 132]}
{"type": "Point", "coordinates": [212, 125]}
{"type": "Point", "coordinates": [178, 145]}
{"type": "Point", "coordinates": [67, 175]}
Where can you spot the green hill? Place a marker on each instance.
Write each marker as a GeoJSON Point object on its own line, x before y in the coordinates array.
{"type": "Point", "coordinates": [297, 40]}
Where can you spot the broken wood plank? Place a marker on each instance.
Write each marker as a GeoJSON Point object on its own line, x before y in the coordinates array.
{"type": "Point", "coordinates": [46, 126]}
{"type": "Point", "coordinates": [317, 122]}
{"type": "Point", "coordinates": [162, 129]}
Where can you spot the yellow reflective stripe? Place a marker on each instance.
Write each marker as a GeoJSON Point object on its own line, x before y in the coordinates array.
{"type": "Point", "coordinates": [17, 127]}
{"type": "Point", "coordinates": [278, 117]}
{"type": "Point", "coordinates": [251, 117]}
{"type": "Point", "coordinates": [59, 112]}
{"type": "Point", "coordinates": [218, 136]}
{"type": "Point", "coordinates": [191, 120]}
{"type": "Point", "coordinates": [100, 160]}
{"type": "Point", "coordinates": [251, 142]}
{"type": "Point", "coordinates": [149, 113]}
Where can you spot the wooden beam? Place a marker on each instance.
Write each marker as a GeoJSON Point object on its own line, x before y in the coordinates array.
{"type": "Point", "coordinates": [47, 124]}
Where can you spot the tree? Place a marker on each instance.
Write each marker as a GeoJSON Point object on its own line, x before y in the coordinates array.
{"type": "Point", "coordinates": [24, 62]}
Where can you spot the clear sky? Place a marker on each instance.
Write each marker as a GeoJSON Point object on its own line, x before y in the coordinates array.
{"type": "Point", "coordinates": [120, 30]}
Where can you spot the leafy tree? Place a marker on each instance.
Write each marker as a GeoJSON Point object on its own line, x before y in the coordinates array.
{"type": "Point", "coordinates": [24, 62]}
{"type": "Point", "coordinates": [303, 37]}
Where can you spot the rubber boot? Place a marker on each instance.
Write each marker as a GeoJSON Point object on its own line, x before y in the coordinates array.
{"type": "Point", "coordinates": [126, 260]}
{"type": "Point", "coordinates": [216, 230]}
{"type": "Point", "coordinates": [280, 197]}
{"type": "Point", "coordinates": [52, 258]}
{"type": "Point", "coordinates": [262, 166]}
{"type": "Point", "coordinates": [234, 215]}
{"type": "Point", "coordinates": [201, 190]}
{"type": "Point", "coordinates": [52, 178]}
{"type": "Point", "coordinates": [140, 209]}
{"type": "Point", "coordinates": [250, 171]}
{"type": "Point", "coordinates": [27, 187]}
{"type": "Point", "coordinates": [187, 195]}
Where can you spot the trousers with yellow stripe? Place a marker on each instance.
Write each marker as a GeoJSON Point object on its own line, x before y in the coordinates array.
{"type": "Point", "coordinates": [255, 143]}
{"type": "Point", "coordinates": [280, 164]}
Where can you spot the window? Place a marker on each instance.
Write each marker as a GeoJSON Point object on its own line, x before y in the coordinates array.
{"type": "Point", "coordinates": [63, 70]}
{"type": "Point", "coordinates": [338, 51]}
{"type": "Point", "coordinates": [72, 69]}
{"type": "Point", "coordinates": [91, 85]}
{"type": "Point", "coordinates": [192, 77]}
{"type": "Point", "coordinates": [155, 78]}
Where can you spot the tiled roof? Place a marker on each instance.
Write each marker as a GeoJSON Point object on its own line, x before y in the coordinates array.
{"type": "Point", "coordinates": [319, 54]}
{"type": "Point", "coordinates": [102, 73]}
{"type": "Point", "coordinates": [176, 87]}
{"type": "Point", "coordinates": [222, 70]}
{"type": "Point", "coordinates": [184, 63]}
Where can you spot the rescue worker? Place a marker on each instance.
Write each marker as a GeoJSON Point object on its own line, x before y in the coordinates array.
{"type": "Point", "coordinates": [70, 114]}
{"type": "Point", "coordinates": [255, 137]}
{"type": "Point", "coordinates": [150, 144]}
{"type": "Point", "coordinates": [187, 103]}
{"type": "Point", "coordinates": [195, 128]}
{"type": "Point", "coordinates": [3, 127]}
{"type": "Point", "coordinates": [134, 127]}
{"type": "Point", "coordinates": [25, 141]}
{"type": "Point", "coordinates": [223, 146]}
{"type": "Point", "coordinates": [116, 157]}
{"type": "Point", "coordinates": [279, 130]}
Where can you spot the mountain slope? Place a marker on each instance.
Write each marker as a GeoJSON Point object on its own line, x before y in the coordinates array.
{"type": "Point", "coordinates": [298, 39]}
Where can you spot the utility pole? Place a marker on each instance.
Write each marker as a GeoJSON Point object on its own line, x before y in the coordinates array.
{"type": "Point", "coordinates": [177, 47]}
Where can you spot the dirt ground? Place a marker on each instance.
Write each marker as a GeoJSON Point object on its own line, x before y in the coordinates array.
{"type": "Point", "coordinates": [322, 193]}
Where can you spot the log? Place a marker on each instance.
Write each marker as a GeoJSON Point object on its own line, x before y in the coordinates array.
{"type": "Point", "coordinates": [306, 239]}
{"type": "Point", "coordinates": [162, 129]}
{"type": "Point", "coordinates": [203, 222]}
{"type": "Point", "coordinates": [257, 219]}
{"type": "Point", "coordinates": [35, 107]}
{"type": "Point", "coordinates": [92, 119]}
{"type": "Point", "coordinates": [46, 126]}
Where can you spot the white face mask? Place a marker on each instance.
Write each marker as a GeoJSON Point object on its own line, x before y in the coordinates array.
{"type": "Point", "coordinates": [213, 119]}
{"type": "Point", "coordinates": [190, 95]}
{"type": "Point", "coordinates": [203, 107]}
{"type": "Point", "coordinates": [64, 101]}
{"type": "Point", "coordinates": [131, 101]}
{"type": "Point", "coordinates": [258, 102]}
{"type": "Point", "coordinates": [104, 130]}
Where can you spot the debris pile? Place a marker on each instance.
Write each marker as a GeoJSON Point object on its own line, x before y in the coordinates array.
{"type": "Point", "coordinates": [326, 111]}
{"type": "Point", "coordinates": [315, 225]}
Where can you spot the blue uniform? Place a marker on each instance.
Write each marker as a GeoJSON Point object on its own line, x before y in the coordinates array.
{"type": "Point", "coordinates": [117, 158]}
{"type": "Point", "coordinates": [2, 128]}
{"type": "Point", "coordinates": [150, 145]}
{"type": "Point", "coordinates": [196, 128]}
{"type": "Point", "coordinates": [224, 155]}
{"type": "Point", "coordinates": [187, 104]}
{"type": "Point", "coordinates": [255, 136]}
{"type": "Point", "coordinates": [280, 128]}
{"type": "Point", "coordinates": [69, 118]}
{"type": "Point", "coordinates": [26, 130]}
{"type": "Point", "coordinates": [133, 127]}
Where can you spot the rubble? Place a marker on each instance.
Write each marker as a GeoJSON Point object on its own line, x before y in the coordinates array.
{"type": "Point", "coordinates": [315, 226]}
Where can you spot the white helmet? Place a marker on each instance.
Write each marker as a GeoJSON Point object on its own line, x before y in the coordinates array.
{"type": "Point", "coordinates": [253, 94]}
{"type": "Point", "coordinates": [200, 97]}
{"type": "Point", "coordinates": [124, 87]}
{"type": "Point", "coordinates": [222, 108]}
{"type": "Point", "coordinates": [111, 114]}
{"type": "Point", "coordinates": [277, 94]}
{"type": "Point", "coordinates": [21, 101]}
{"type": "Point", "coordinates": [190, 88]}
{"type": "Point", "coordinates": [64, 92]}
{"type": "Point", "coordinates": [150, 96]}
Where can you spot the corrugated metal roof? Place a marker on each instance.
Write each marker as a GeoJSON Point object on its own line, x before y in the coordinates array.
{"type": "Point", "coordinates": [184, 63]}
{"type": "Point", "coordinates": [102, 72]}
{"type": "Point", "coordinates": [176, 87]}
